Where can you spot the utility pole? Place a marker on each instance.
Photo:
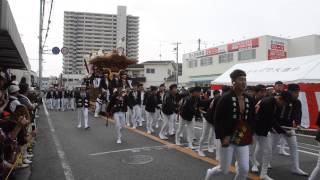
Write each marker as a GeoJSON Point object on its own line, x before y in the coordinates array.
{"type": "Point", "coordinates": [177, 59]}
{"type": "Point", "coordinates": [40, 42]}
{"type": "Point", "coordinates": [199, 43]}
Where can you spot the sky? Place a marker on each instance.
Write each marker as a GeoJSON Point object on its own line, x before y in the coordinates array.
{"type": "Point", "coordinates": [163, 22]}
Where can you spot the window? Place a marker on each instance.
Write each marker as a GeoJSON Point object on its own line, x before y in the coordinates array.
{"type": "Point", "coordinates": [169, 72]}
{"type": "Point", "coordinates": [247, 54]}
{"type": "Point", "coordinates": [193, 63]}
{"type": "Point", "coordinates": [225, 58]}
{"type": "Point", "coordinates": [150, 71]}
{"type": "Point", "coordinates": [205, 61]}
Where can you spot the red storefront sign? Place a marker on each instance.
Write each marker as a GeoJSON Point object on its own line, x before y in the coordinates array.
{"type": "Point", "coordinates": [276, 54]}
{"type": "Point", "coordinates": [212, 51]}
{"type": "Point", "coordinates": [251, 43]}
{"type": "Point", "coordinates": [277, 47]}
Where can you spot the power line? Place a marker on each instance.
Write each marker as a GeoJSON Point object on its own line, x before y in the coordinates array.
{"type": "Point", "coordinates": [48, 25]}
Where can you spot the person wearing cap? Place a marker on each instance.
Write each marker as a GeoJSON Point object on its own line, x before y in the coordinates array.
{"type": "Point", "coordinates": [118, 108]}
{"type": "Point", "coordinates": [13, 98]}
{"type": "Point", "coordinates": [233, 118]}
{"type": "Point", "coordinates": [266, 113]}
{"type": "Point", "coordinates": [290, 117]}
{"type": "Point", "coordinates": [189, 108]}
{"type": "Point", "coordinates": [169, 110]}
{"type": "Point", "coordinates": [151, 104]}
{"type": "Point", "coordinates": [82, 104]}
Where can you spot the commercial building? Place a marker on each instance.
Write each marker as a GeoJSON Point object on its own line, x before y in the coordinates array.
{"type": "Point", "coordinates": [87, 32]}
{"type": "Point", "coordinates": [201, 67]}
{"type": "Point", "coordinates": [154, 72]}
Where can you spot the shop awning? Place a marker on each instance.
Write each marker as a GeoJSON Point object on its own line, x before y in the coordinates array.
{"type": "Point", "coordinates": [12, 52]}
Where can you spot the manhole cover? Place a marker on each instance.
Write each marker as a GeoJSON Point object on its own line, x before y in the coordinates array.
{"type": "Point", "coordinates": [137, 159]}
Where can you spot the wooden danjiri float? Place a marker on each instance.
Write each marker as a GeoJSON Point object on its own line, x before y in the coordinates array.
{"type": "Point", "coordinates": [107, 71]}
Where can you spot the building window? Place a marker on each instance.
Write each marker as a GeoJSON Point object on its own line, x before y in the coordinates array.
{"type": "Point", "coordinates": [150, 71]}
{"type": "Point", "coordinates": [247, 54]}
{"type": "Point", "coordinates": [193, 63]}
{"type": "Point", "coordinates": [226, 58]}
{"type": "Point", "coordinates": [205, 61]}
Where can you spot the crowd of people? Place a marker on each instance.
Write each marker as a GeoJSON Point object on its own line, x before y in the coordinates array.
{"type": "Point", "coordinates": [248, 123]}
{"type": "Point", "coordinates": [18, 114]}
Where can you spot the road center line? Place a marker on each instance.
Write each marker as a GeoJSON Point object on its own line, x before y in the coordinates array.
{"type": "Point", "coordinates": [64, 163]}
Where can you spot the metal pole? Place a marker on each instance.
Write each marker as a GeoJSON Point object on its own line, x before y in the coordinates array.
{"type": "Point", "coordinates": [177, 63]}
{"type": "Point", "coordinates": [40, 43]}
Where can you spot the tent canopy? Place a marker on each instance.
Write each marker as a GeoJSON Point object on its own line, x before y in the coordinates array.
{"type": "Point", "coordinates": [304, 69]}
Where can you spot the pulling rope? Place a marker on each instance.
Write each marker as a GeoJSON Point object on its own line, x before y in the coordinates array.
{"type": "Point", "coordinates": [14, 165]}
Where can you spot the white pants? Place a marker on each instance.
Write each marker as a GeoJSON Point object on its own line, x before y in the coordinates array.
{"type": "Point", "coordinates": [151, 116]}
{"type": "Point", "coordinates": [315, 175]}
{"type": "Point", "coordinates": [157, 117]}
{"type": "Point", "coordinates": [72, 103]}
{"type": "Point", "coordinates": [264, 145]}
{"type": "Point", "coordinates": [50, 103]}
{"type": "Point", "coordinates": [64, 103]}
{"type": "Point", "coordinates": [242, 157]}
{"type": "Point", "coordinates": [167, 123]}
{"type": "Point", "coordinates": [293, 146]}
{"type": "Point", "coordinates": [207, 131]}
{"type": "Point", "coordinates": [142, 114]}
{"type": "Point", "coordinates": [120, 119]}
{"type": "Point", "coordinates": [136, 115]}
{"type": "Point", "coordinates": [58, 104]}
{"type": "Point", "coordinates": [83, 116]}
{"type": "Point", "coordinates": [129, 116]}
{"type": "Point", "coordinates": [182, 124]}
{"type": "Point", "coordinates": [98, 109]}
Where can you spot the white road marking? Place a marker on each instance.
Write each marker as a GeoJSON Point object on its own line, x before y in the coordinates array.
{"type": "Point", "coordinates": [130, 149]}
{"type": "Point", "coordinates": [65, 165]}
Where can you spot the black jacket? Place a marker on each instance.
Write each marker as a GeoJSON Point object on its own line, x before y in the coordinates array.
{"type": "Point", "coordinates": [151, 103]}
{"type": "Point", "coordinates": [266, 117]}
{"type": "Point", "coordinates": [117, 104]}
{"type": "Point", "coordinates": [169, 104]}
{"type": "Point", "coordinates": [132, 99]}
{"type": "Point", "coordinates": [189, 108]}
{"type": "Point", "coordinates": [209, 116]}
{"type": "Point", "coordinates": [290, 113]}
{"type": "Point", "coordinates": [227, 114]}
{"type": "Point", "coordinates": [49, 95]}
{"type": "Point", "coordinates": [82, 101]}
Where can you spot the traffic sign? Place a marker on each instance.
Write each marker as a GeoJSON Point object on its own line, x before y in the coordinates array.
{"type": "Point", "coordinates": [55, 50]}
{"type": "Point", "coordinates": [64, 51]}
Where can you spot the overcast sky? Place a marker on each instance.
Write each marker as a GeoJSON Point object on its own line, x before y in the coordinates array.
{"type": "Point", "coordinates": [163, 22]}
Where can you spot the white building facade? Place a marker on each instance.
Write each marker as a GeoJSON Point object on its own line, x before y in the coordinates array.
{"type": "Point", "coordinates": [87, 32]}
{"type": "Point", "coordinates": [201, 67]}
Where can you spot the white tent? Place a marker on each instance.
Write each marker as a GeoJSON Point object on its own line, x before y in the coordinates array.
{"type": "Point", "coordinates": [302, 70]}
{"type": "Point", "coordinates": [292, 70]}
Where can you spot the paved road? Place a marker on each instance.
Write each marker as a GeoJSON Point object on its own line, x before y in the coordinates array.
{"type": "Point", "coordinates": [65, 152]}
